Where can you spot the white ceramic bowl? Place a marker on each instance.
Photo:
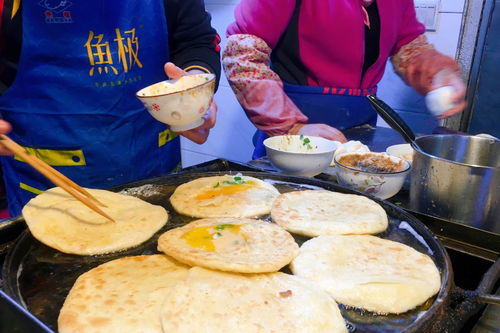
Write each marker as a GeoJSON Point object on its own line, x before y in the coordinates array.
{"type": "Point", "coordinates": [180, 103]}
{"type": "Point", "coordinates": [404, 151]}
{"type": "Point", "coordinates": [380, 184]}
{"type": "Point", "coordinates": [300, 155]}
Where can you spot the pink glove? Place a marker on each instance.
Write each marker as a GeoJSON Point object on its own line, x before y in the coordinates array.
{"type": "Point", "coordinates": [199, 134]}
{"type": "Point", "coordinates": [322, 130]}
{"type": "Point", "coordinates": [259, 90]}
{"type": "Point", "coordinates": [448, 77]}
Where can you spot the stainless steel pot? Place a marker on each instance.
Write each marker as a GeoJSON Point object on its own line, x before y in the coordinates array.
{"type": "Point", "coordinates": [457, 177]}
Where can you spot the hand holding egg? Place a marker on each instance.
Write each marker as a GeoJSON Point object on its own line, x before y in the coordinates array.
{"type": "Point", "coordinates": [447, 95]}
{"type": "Point", "coordinates": [440, 100]}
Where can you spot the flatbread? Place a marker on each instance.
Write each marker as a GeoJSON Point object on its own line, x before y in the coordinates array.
{"type": "Point", "coordinates": [62, 222]}
{"type": "Point", "coordinates": [123, 295]}
{"type": "Point", "coordinates": [231, 244]}
{"type": "Point", "coordinates": [320, 212]}
{"type": "Point", "coordinates": [211, 301]}
{"type": "Point", "coordinates": [224, 196]}
{"type": "Point", "coordinates": [368, 272]}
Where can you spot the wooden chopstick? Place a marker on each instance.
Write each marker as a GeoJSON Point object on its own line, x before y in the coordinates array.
{"type": "Point", "coordinates": [55, 176]}
{"type": "Point", "coordinates": [50, 169]}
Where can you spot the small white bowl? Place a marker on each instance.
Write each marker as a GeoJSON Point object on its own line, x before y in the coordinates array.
{"type": "Point", "coordinates": [404, 151]}
{"type": "Point", "coordinates": [180, 103]}
{"type": "Point", "coordinates": [380, 184]}
{"type": "Point", "coordinates": [300, 155]}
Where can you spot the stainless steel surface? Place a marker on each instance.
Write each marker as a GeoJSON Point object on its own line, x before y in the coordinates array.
{"type": "Point", "coordinates": [457, 177]}
{"type": "Point", "coordinates": [489, 299]}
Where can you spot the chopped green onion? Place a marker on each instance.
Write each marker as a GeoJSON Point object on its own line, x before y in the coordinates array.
{"type": "Point", "coordinates": [223, 226]}
{"type": "Point", "coordinates": [306, 142]}
{"type": "Point", "coordinates": [237, 181]}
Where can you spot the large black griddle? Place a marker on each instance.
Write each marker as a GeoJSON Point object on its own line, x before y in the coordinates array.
{"type": "Point", "coordinates": [39, 277]}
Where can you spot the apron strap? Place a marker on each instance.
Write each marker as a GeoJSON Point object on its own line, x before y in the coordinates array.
{"type": "Point", "coordinates": [292, 88]}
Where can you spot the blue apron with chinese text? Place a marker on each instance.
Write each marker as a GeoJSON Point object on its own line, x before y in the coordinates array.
{"type": "Point", "coordinates": [338, 107]}
{"type": "Point", "coordinates": [73, 101]}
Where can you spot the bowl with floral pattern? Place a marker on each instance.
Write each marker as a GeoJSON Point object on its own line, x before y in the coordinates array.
{"type": "Point", "coordinates": [180, 103]}
{"type": "Point", "coordinates": [379, 174]}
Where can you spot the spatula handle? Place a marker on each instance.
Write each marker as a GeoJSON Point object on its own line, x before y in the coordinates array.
{"type": "Point", "coordinates": [392, 118]}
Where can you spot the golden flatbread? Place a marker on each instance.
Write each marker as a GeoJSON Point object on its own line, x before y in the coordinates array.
{"type": "Point", "coordinates": [368, 272]}
{"type": "Point", "coordinates": [224, 196]}
{"type": "Point", "coordinates": [231, 244]}
{"type": "Point", "coordinates": [320, 212]}
{"type": "Point", "coordinates": [62, 222]}
{"type": "Point", "coordinates": [123, 295]}
{"type": "Point", "coordinates": [211, 301]}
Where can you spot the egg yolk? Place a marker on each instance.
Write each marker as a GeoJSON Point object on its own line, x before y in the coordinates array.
{"type": "Point", "coordinates": [226, 189]}
{"type": "Point", "coordinates": [211, 238]}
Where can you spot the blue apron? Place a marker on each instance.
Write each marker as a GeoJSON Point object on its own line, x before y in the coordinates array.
{"type": "Point", "coordinates": [338, 107]}
{"type": "Point", "coordinates": [73, 101]}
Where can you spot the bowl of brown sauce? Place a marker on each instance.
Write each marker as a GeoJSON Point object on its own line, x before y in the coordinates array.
{"type": "Point", "coordinates": [379, 174]}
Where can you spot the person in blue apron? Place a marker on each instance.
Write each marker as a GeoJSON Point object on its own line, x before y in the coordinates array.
{"type": "Point", "coordinates": [305, 66]}
{"type": "Point", "coordinates": [72, 99]}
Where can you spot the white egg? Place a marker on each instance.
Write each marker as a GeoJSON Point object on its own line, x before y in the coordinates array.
{"type": "Point", "coordinates": [440, 100]}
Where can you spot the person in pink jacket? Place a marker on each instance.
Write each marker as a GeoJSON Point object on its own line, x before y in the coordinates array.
{"type": "Point", "coordinates": [305, 66]}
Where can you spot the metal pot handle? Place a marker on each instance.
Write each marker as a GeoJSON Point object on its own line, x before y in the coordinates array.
{"type": "Point", "coordinates": [463, 304]}
{"type": "Point", "coordinates": [489, 299]}
{"type": "Point", "coordinates": [487, 283]}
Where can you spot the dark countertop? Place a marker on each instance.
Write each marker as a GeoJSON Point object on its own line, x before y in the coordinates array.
{"type": "Point", "coordinates": [453, 235]}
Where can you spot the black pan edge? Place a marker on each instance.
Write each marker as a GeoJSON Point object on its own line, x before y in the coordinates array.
{"type": "Point", "coordinates": [15, 256]}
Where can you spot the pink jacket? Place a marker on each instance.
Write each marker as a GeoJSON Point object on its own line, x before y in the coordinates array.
{"type": "Point", "coordinates": [331, 40]}
{"type": "Point", "coordinates": [331, 35]}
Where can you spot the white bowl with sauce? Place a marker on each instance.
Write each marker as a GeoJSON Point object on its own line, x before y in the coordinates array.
{"type": "Point", "coordinates": [300, 155]}
{"type": "Point", "coordinates": [180, 103]}
{"type": "Point", "coordinates": [379, 174]}
{"type": "Point", "coordinates": [404, 151]}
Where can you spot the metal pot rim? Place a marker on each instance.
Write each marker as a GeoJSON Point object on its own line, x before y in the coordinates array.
{"type": "Point", "coordinates": [418, 150]}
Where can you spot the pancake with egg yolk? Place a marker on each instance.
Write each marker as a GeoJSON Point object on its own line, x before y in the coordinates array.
{"type": "Point", "coordinates": [230, 244]}
{"type": "Point", "coordinates": [224, 196]}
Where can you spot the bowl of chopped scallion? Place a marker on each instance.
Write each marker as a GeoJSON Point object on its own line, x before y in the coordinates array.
{"type": "Point", "coordinates": [300, 155]}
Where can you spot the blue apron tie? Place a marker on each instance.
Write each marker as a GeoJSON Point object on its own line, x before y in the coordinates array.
{"type": "Point", "coordinates": [73, 101]}
{"type": "Point", "coordinates": [341, 108]}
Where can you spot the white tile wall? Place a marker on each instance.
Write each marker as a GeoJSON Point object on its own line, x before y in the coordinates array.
{"type": "Point", "coordinates": [452, 6]}
{"type": "Point", "coordinates": [231, 137]}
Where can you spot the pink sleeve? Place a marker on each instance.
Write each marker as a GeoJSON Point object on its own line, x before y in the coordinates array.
{"type": "Point", "coordinates": [266, 19]}
{"type": "Point", "coordinates": [259, 90]}
{"type": "Point", "coordinates": [410, 29]}
{"type": "Point", "coordinates": [417, 62]}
